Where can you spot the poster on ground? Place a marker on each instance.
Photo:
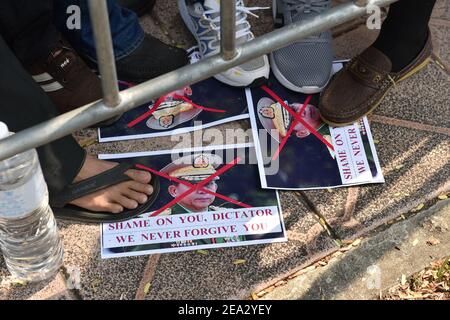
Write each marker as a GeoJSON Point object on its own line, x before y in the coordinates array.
{"type": "Point", "coordinates": [209, 197]}
{"type": "Point", "coordinates": [199, 106]}
{"type": "Point", "coordinates": [296, 150]}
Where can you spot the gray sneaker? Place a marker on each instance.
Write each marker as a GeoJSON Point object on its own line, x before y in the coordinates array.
{"type": "Point", "coordinates": [304, 66]}
{"type": "Point", "coordinates": [202, 17]}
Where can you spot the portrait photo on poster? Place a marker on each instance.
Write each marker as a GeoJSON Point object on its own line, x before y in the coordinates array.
{"type": "Point", "coordinates": [199, 106]}
{"type": "Point", "coordinates": [209, 197]}
{"type": "Point", "coordinates": [296, 150]}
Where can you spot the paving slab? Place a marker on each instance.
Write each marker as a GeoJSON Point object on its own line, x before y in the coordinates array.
{"type": "Point", "coordinates": [441, 10]}
{"type": "Point", "coordinates": [214, 276]}
{"type": "Point", "coordinates": [425, 172]}
{"type": "Point", "coordinates": [166, 15]}
{"type": "Point", "coordinates": [264, 23]}
{"type": "Point", "coordinates": [329, 202]}
{"type": "Point", "coordinates": [440, 30]}
{"type": "Point", "coordinates": [352, 43]}
{"type": "Point", "coordinates": [153, 27]}
{"type": "Point", "coordinates": [422, 98]}
{"type": "Point", "coordinates": [440, 25]}
{"type": "Point", "coordinates": [377, 263]}
{"type": "Point", "coordinates": [416, 166]}
{"type": "Point", "coordinates": [85, 275]}
{"type": "Point", "coordinates": [99, 279]}
{"type": "Point", "coordinates": [233, 132]}
{"type": "Point", "coordinates": [54, 288]}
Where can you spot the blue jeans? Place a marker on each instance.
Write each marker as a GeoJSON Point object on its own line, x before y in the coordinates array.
{"type": "Point", "coordinates": [126, 31]}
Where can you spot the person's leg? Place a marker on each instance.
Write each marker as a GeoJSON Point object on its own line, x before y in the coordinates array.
{"type": "Point", "coordinates": [27, 28]}
{"type": "Point", "coordinates": [63, 161]}
{"type": "Point", "coordinates": [140, 7]}
{"type": "Point", "coordinates": [125, 28]}
{"type": "Point", "coordinates": [405, 31]}
{"type": "Point", "coordinates": [402, 49]}
{"type": "Point", "coordinates": [23, 105]}
{"type": "Point", "coordinates": [139, 56]}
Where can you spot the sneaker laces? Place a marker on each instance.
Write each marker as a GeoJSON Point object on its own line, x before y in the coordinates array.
{"type": "Point", "coordinates": [242, 25]}
{"type": "Point", "coordinates": [298, 7]}
{"type": "Point", "coordinates": [193, 54]}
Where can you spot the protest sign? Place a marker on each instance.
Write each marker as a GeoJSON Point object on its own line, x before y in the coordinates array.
{"type": "Point", "coordinates": [199, 106]}
{"type": "Point", "coordinates": [296, 150]}
{"type": "Point", "coordinates": [209, 197]}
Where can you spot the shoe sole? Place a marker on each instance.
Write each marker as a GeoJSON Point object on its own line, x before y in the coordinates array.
{"type": "Point", "coordinates": [257, 82]}
{"type": "Point", "coordinates": [182, 8]}
{"type": "Point", "coordinates": [378, 102]}
{"type": "Point", "coordinates": [282, 79]}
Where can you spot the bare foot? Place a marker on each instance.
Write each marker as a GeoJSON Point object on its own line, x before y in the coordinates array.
{"type": "Point", "coordinates": [125, 195]}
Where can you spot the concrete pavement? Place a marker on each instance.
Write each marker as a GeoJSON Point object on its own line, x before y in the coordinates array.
{"type": "Point", "coordinates": [412, 131]}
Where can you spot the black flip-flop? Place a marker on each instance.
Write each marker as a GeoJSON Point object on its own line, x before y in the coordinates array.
{"type": "Point", "coordinates": [62, 209]}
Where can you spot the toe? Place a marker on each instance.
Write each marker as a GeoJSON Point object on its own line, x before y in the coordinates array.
{"type": "Point", "coordinates": [141, 187]}
{"type": "Point", "coordinates": [139, 176]}
{"type": "Point", "coordinates": [127, 202]}
{"type": "Point", "coordinates": [114, 208]}
{"type": "Point", "coordinates": [103, 205]}
{"type": "Point", "coordinates": [137, 196]}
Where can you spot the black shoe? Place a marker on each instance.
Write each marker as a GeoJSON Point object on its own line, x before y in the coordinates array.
{"type": "Point", "coordinates": [141, 7]}
{"type": "Point", "coordinates": [151, 59]}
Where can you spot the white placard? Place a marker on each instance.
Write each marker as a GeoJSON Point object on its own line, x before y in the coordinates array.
{"type": "Point", "coordinates": [193, 226]}
{"type": "Point", "coordinates": [350, 154]}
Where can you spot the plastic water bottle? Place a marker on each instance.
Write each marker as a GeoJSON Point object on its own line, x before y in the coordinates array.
{"type": "Point", "coordinates": [29, 238]}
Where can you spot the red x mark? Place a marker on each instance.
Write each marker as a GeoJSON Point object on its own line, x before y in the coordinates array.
{"type": "Point", "coordinates": [161, 100]}
{"type": "Point", "coordinates": [288, 134]}
{"type": "Point", "coordinates": [195, 187]}
{"type": "Point", "coordinates": [218, 195]}
{"type": "Point", "coordinates": [298, 120]}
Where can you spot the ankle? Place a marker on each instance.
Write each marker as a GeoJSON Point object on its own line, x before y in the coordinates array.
{"type": "Point", "coordinates": [91, 167]}
{"type": "Point", "coordinates": [402, 50]}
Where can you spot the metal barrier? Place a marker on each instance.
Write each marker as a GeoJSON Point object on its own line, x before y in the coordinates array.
{"type": "Point", "coordinates": [115, 102]}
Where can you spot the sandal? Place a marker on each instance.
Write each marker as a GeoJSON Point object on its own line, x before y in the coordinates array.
{"type": "Point", "coordinates": [62, 209]}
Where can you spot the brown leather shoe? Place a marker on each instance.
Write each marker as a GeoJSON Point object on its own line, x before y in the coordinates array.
{"type": "Point", "coordinates": [360, 87]}
{"type": "Point", "coordinates": [67, 80]}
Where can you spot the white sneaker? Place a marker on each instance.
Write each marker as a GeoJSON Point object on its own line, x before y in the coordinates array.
{"type": "Point", "coordinates": [202, 17]}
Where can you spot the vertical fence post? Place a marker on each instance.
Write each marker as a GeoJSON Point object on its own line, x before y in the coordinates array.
{"type": "Point", "coordinates": [105, 54]}
{"type": "Point", "coordinates": [228, 29]}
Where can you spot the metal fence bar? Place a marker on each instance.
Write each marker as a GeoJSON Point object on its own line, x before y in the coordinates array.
{"type": "Point", "coordinates": [105, 54]}
{"type": "Point", "coordinates": [88, 115]}
{"type": "Point", "coordinates": [228, 29]}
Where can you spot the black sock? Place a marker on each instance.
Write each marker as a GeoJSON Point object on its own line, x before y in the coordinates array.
{"type": "Point", "coordinates": [405, 31]}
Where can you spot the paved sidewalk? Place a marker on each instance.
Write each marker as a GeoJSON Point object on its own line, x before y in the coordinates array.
{"type": "Point", "coordinates": [412, 132]}
{"type": "Point", "coordinates": [378, 263]}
